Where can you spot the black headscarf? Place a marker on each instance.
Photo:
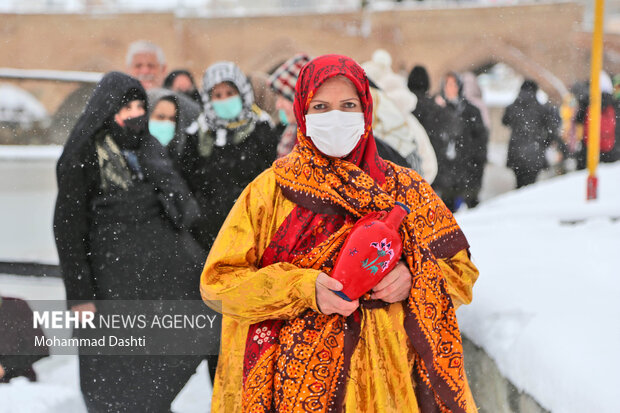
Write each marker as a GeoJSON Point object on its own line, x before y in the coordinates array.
{"type": "Point", "coordinates": [418, 81]}
{"type": "Point", "coordinates": [458, 104]}
{"type": "Point", "coordinates": [193, 94]}
{"type": "Point", "coordinates": [110, 95]}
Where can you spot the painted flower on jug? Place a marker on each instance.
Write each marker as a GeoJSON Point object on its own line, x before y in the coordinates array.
{"type": "Point", "coordinates": [384, 248]}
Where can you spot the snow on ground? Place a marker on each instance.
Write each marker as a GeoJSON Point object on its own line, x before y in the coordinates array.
{"type": "Point", "coordinates": [43, 153]}
{"type": "Point", "coordinates": [545, 305]}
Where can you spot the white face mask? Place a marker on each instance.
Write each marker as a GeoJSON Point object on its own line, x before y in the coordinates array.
{"type": "Point", "coordinates": [335, 133]}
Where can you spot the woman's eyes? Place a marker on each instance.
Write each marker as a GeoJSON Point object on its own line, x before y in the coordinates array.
{"type": "Point", "coordinates": [223, 95]}
{"type": "Point", "coordinates": [344, 105]}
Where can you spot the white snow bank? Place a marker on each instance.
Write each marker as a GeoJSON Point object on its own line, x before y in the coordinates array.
{"type": "Point", "coordinates": [30, 152]}
{"type": "Point", "coordinates": [545, 306]}
{"type": "Point", "coordinates": [54, 75]}
{"type": "Point", "coordinates": [58, 390]}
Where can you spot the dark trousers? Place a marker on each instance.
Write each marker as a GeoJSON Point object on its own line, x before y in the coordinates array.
{"type": "Point", "coordinates": [525, 177]}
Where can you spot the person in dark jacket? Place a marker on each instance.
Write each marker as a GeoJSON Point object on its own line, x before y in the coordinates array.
{"type": "Point", "coordinates": [443, 128]}
{"type": "Point", "coordinates": [121, 226]}
{"type": "Point", "coordinates": [607, 101]}
{"type": "Point", "coordinates": [533, 126]}
{"type": "Point", "coordinates": [471, 146]}
{"type": "Point", "coordinates": [228, 146]}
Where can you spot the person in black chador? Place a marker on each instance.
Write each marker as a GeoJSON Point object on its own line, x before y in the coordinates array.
{"type": "Point", "coordinates": [533, 129]}
{"type": "Point", "coordinates": [121, 226]}
{"type": "Point", "coordinates": [228, 146]}
{"type": "Point", "coordinates": [470, 150]}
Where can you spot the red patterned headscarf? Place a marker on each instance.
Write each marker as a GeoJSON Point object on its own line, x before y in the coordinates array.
{"type": "Point", "coordinates": [312, 76]}
{"type": "Point", "coordinates": [331, 194]}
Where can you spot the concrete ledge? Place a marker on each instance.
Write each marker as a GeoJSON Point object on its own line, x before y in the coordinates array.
{"type": "Point", "coordinates": [494, 393]}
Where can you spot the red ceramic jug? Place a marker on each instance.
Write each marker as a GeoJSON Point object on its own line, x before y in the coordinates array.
{"type": "Point", "coordinates": [370, 252]}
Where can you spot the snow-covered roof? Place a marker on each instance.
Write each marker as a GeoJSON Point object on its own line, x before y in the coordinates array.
{"type": "Point", "coordinates": [19, 106]}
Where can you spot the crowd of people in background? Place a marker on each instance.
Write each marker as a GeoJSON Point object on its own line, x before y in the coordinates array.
{"type": "Point", "coordinates": [154, 153]}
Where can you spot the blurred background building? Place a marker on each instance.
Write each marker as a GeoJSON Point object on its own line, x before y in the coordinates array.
{"type": "Point", "coordinates": [548, 41]}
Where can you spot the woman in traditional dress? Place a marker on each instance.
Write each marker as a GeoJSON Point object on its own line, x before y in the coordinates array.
{"type": "Point", "coordinates": [288, 342]}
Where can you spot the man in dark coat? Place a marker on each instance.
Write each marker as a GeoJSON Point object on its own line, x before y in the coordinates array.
{"type": "Point", "coordinates": [443, 128]}
{"type": "Point", "coordinates": [533, 127]}
{"type": "Point", "coordinates": [121, 226]}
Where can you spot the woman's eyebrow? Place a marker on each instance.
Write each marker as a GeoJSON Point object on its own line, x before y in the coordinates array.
{"type": "Point", "coordinates": [351, 98]}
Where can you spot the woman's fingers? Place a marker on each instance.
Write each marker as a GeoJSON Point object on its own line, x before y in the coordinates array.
{"type": "Point", "coordinates": [391, 278]}
{"type": "Point", "coordinates": [327, 301]}
{"type": "Point", "coordinates": [395, 286]}
{"type": "Point", "coordinates": [329, 282]}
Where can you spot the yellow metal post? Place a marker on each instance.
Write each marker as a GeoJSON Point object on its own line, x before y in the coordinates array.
{"type": "Point", "coordinates": [594, 124]}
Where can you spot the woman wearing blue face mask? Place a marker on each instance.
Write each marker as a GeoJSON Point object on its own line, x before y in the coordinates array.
{"type": "Point", "coordinates": [170, 113]}
{"type": "Point", "coordinates": [230, 143]}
